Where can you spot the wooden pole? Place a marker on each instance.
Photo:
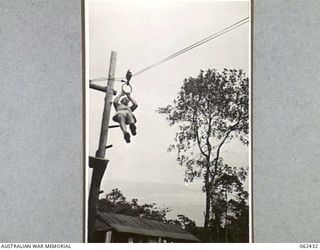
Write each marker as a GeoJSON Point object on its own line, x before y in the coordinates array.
{"type": "Point", "coordinates": [107, 107]}
{"type": "Point", "coordinates": [99, 163]}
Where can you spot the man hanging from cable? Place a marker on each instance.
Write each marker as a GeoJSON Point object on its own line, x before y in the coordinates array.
{"type": "Point", "coordinates": [124, 115]}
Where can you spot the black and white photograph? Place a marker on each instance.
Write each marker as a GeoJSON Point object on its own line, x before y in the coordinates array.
{"type": "Point", "coordinates": [159, 121]}
{"type": "Point", "coordinates": [168, 119]}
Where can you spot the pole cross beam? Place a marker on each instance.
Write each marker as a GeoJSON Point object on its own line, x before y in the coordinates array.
{"type": "Point", "coordinates": [100, 88]}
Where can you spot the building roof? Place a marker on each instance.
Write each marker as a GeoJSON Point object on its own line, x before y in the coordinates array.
{"type": "Point", "coordinates": [135, 225]}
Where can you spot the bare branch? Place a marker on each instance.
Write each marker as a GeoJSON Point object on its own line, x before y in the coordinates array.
{"type": "Point", "coordinates": [216, 160]}
{"type": "Point", "coordinates": [209, 147]}
{"type": "Point", "coordinates": [197, 133]}
{"type": "Point", "coordinates": [199, 142]}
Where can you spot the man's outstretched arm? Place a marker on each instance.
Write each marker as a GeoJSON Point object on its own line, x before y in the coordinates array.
{"type": "Point", "coordinates": [134, 103]}
{"type": "Point", "coordinates": [117, 99]}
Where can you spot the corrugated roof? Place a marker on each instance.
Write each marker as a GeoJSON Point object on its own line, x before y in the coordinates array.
{"type": "Point", "coordinates": [102, 226]}
{"type": "Point", "coordinates": [135, 225]}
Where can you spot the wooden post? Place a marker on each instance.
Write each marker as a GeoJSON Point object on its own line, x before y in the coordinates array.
{"type": "Point", "coordinates": [107, 107]}
{"type": "Point", "coordinates": [99, 163]}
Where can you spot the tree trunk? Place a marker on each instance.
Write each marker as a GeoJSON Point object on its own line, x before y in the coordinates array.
{"type": "Point", "coordinates": [208, 194]}
{"type": "Point", "coordinates": [207, 212]}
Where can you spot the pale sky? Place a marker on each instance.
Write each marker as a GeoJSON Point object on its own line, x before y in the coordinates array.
{"type": "Point", "coordinates": [143, 32]}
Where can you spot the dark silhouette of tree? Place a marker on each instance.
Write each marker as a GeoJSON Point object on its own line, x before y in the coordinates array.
{"type": "Point", "coordinates": [238, 229]}
{"type": "Point", "coordinates": [116, 202]}
{"type": "Point", "coordinates": [184, 222]}
{"type": "Point", "coordinates": [210, 110]}
{"type": "Point", "coordinates": [226, 211]}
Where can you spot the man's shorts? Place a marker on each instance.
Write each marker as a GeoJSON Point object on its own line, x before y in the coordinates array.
{"type": "Point", "coordinates": [129, 117]}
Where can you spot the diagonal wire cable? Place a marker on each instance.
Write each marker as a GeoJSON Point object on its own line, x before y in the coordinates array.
{"type": "Point", "coordinates": [182, 51]}
{"type": "Point", "coordinates": [194, 45]}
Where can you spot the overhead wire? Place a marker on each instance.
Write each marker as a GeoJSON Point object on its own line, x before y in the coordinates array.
{"type": "Point", "coordinates": [182, 51]}
{"type": "Point", "coordinates": [194, 45]}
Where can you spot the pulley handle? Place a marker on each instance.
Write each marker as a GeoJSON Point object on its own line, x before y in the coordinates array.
{"type": "Point", "coordinates": [124, 88]}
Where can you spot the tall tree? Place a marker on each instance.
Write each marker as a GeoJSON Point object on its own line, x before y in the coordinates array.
{"type": "Point", "coordinates": [209, 110]}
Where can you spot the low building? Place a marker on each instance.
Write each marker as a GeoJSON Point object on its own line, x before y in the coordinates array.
{"type": "Point", "coordinates": [119, 228]}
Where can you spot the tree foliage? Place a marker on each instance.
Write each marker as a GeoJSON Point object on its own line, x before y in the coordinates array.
{"type": "Point", "coordinates": [116, 202]}
{"type": "Point", "coordinates": [184, 222]}
{"type": "Point", "coordinates": [229, 209]}
{"type": "Point", "coordinates": [210, 110]}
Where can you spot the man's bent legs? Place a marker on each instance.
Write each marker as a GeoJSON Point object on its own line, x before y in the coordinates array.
{"type": "Point", "coordinates": [122, 122]}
